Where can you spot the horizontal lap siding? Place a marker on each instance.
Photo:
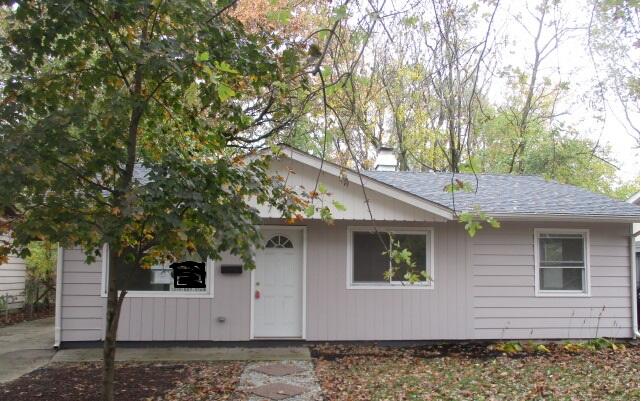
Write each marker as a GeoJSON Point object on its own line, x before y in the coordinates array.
{"type": "Point", "coordinates": [337, 313]}
{"type": "Point", "coordinates": [12, 279]}
{"type": "Point", "coordinates": [504, 305]}
{"type": "Point", "coordinates": [153, 319]}
{"type": "Point", "coordinates": [82, 308]}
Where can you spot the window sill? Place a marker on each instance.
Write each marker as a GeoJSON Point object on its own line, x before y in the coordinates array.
{"type": "Point", "coordinates": [560, 293]}
{"type": "Point", "coordinates": [162, 294]}
{"type": "Point", "coordinates": [390, 287]}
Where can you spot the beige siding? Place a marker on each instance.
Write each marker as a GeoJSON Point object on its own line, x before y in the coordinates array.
{"type": "Point", "coordinates": [303, 178]}
{"type": "Point", "coordinates": [484, 288]}
{"type": "Point", "coordinates": [503, 286]}
{"type": "Point", "coordinates": [82, 311]}
{"type": "Point", "coordinates": [12, 279]}
{"type": "Point", "coordinates": [338, 313]}
{"type": "Point", "coordinates": [147, 319]}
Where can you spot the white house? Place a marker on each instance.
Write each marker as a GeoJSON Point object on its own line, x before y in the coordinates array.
{"type": "Point", "coordinates": [12, 283]}
{"type": "Point", "coordinates": [560, 266]}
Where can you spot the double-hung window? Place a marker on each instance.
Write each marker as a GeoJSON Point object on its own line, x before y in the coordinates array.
{"type": "Point", "coordinates": [369, 263]}
{"type": "Point", "coordinates": [562, 262]}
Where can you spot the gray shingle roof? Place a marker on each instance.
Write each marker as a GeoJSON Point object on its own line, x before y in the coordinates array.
{"type": "Point", "coordinates": [507, 194]}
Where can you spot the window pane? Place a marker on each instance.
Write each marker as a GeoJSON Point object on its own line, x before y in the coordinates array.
{"type": "Point", "coordinates": [561, 251]}
{"type": "Point", "coordinates": [415, 243]}
{"type": "Point", "coordinates": [561, 279]}
{"type": "Point", "coordinates": [370, 261]}
{"type": "Point", "coordinates": [157, 278]}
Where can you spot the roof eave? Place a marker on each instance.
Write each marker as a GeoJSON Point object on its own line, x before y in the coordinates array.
{"type": "Point", "coordinates": [564, 217]}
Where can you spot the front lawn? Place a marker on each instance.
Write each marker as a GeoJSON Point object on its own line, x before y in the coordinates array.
{"type": "Point", "coordinates": [473, 372]}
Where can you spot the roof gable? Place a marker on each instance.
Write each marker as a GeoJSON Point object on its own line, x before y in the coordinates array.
{"type": "Point", "coordinates": [500, 195]}
{"type": "Point", "coordinates": [379, 206]}
{"type": "Point", "coordinates": [371, 184]}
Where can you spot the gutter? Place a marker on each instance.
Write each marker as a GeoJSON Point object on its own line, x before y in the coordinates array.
{"type": "Point", "coordinates": [564, 217]}
{"type": "Point", "coordinates": [633, 284]}
{"type": "Point", "coordinates": [58, 318]}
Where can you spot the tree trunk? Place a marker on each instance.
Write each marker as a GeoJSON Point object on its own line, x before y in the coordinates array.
{"type": "Point", "coordinates": [114, 303]}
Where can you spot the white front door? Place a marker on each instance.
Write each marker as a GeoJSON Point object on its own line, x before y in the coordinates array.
{"type": "Point", "coordinates": [278, 285]}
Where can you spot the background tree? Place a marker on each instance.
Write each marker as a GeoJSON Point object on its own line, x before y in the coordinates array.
{"type": "Point", "coordinates": [613, 43]}
{"type": "Point", "coordinates": [425, 82]}
{"type": "Point", "coordinates": [40, 277]}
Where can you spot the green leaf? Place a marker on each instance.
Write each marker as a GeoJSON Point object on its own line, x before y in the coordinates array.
{"type": "Point", "coordinates": [191, 95]}
{"type": "Point", "coordinates": [326, 214]}
{"type": "Point", "coordinates": [471, 228]}
{"type": "Point", "coordinates": [275, 149]}
{"type": "Point", "coordinates": [322, 188]}
{"type": "Point", "coordinates": [225, 92]}
{"type": "Point", "coordinates": [224, 67]}
{"type": "Point", "coordinates": [339, 206]}
{"type": "Point", "coordinates": [493, 222]}
{"type": "Point", "coordinates": [542, 348]}
{"type": "Point", "coordinates": [340, 12]}
{"type": "Point", "coordinates": [204, 56]}
{"type": "Point", "coordinates": [326, 71]}
{"type": "Point", "coordinates": [309, 211]}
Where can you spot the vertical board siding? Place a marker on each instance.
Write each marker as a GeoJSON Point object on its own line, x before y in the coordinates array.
{"type": "Point", "coordinates": [337, 313]}
{"type": "Point", "coordinates": [153, 319]}
{"type": "Point", "coordinates": [12, 282]}
{"type": "Point", "coordinates": [503, 286]}
{"type": "Point", "coordinates": [483, 289]}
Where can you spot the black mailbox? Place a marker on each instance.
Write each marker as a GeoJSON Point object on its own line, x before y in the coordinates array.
{"type": "Point", "coordinates": [231, 269]}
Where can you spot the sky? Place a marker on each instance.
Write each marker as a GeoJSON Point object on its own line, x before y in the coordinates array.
{"type": "Point", "coordinates": [573, 62]}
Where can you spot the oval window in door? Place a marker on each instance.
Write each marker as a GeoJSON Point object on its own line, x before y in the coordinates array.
{"type": "Point", "coordinates": [279, 241]}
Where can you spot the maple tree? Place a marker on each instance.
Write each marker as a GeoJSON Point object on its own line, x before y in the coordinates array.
{"type": "Point", "coordinates": [126, 123]}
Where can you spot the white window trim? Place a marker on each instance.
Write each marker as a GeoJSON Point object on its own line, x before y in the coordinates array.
{"type": "Point", "coordinates": [157, 294]}
{"type": "Point", "coordinates": [587, 291]}
{"type": "Point", "coordinates": [394, 285]}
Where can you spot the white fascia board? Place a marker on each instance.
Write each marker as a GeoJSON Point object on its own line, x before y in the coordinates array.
{"type": "Point", "coordinates": [563, 217]}
{"type": "Point", "coordinates": [370, 183]}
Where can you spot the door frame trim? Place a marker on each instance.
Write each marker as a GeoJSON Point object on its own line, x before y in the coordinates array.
{"type": "Point", "coordinates": [303, 230]}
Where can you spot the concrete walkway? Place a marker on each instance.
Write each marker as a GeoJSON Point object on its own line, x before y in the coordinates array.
{"type": "Point", "coordinates": [186, 354]}
{"type": "Point", "coordinates": [25, 347]}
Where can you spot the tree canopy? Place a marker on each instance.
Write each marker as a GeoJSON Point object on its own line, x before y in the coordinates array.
{"type": "Point", "coordinates": [129, 124]}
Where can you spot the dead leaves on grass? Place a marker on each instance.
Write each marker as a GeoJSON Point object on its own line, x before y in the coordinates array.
{"type": "Point", "coordinates": [208, 382]}
{"type": "Point", "coordinates": [464, 372]}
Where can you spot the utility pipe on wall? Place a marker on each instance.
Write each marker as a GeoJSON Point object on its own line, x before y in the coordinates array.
{"type": "Point", "coordinates": [633, 282]}
{"type": "Point", "coordinates": [58, 318]}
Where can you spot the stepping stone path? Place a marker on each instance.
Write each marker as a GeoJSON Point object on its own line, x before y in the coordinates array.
{"type": "Point", "coordinates": [284, 380]}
